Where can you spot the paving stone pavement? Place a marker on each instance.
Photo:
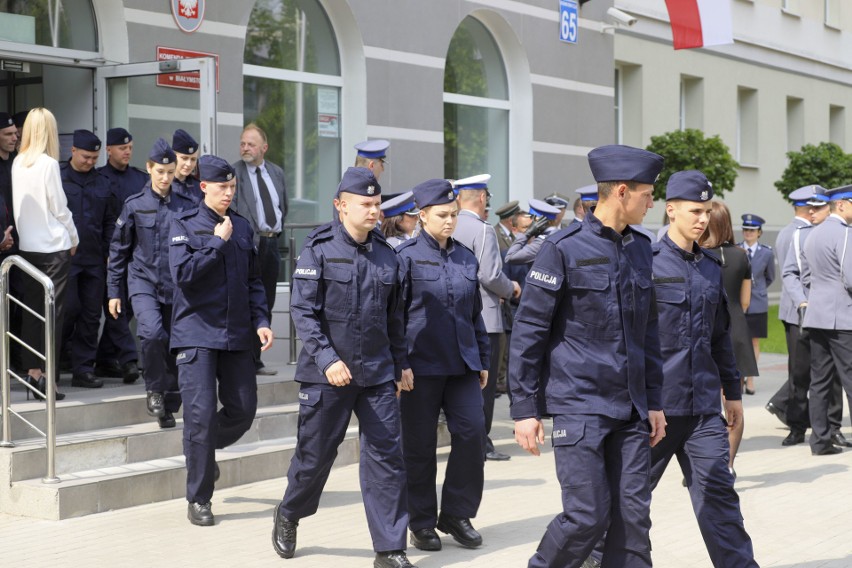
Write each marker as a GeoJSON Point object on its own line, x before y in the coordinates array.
{"type": "Point", "coordinates": [797, 508]}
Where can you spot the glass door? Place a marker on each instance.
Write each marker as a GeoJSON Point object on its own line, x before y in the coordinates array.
{"type": "Point", "coordinates": [153, 99]}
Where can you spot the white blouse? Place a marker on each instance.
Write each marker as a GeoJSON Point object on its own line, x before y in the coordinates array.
{"type": "Point", "coordinates": [42, 216]}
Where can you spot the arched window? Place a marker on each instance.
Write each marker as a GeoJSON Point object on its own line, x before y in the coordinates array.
{"type": "Point", "coordinates": [476, 109]}
{"type": "Point", "coordinates": [68, 24]}
{"type": "Point", "coordinates": [291, 89]}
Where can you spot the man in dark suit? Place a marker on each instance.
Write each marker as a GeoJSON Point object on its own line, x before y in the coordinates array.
{"type": "Point", "coordinates": [261, 198]}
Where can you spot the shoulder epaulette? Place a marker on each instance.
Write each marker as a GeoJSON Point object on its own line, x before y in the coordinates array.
{"type": "Point", "coordinates": [464, 246]}
{"type": "Point", "coordinates": [186, 214]}
{"type": "Point", "coordinates": [711, 255]}
{"type": "Point", "coordinates": [655, 247]}
{"type": "Point", "coordinates": [766, 246]}
{"type": "Point", "coordinates": [405, 244]}
{"type": "Point", "coordinates": [321, 233]}
{"type": "Point", "coordinates": [565, 233]}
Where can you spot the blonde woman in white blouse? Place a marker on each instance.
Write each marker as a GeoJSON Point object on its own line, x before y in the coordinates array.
{"type": "Point", "coordinates": [46, 231]}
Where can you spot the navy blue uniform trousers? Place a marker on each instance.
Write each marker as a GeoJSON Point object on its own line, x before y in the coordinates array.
{"type": "Point", "coordinates": [603, 466]}
{"type": "Point", "coordinates": [701, 446]}
{"type": "Point", "coordinates": [84, 301]}
{"type": "Point", "coordinates": [204, 429]}
{"type": "Point", "coordinates": [324, 415]}
{"type": "Point", "coordinates": [154, 322]}
{"type": "Point", "coordinates": [461, 399]}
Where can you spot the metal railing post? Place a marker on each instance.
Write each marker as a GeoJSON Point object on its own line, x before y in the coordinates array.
{"type": "Point", "coordinates": [49, 357]}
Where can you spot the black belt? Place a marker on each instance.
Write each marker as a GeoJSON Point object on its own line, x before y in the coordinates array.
{"type": "Point", "coordinates": [268, 234]}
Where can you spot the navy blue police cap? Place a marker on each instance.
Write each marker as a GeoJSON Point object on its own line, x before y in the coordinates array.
{"type": "Point", "coordinates": [752, 221]}
{"type": "Point", "coordinates": [118, 136]}
{"type": "Point", "coordinates": [372, 149]}
{"type": "Point", "coordinates": [624, 163]}
{"type": "Point", "coordinates": [359, 181]}
{"type": "Point", "coordinates": [20, 117]}
{"type": "Point", "coordinates": [838, 193]}
{"type": "Point", "coordinates": [183, 143]}
{"type": "Point", "coordinates": [434, 192]}
{"type": "Point", "coordinates": [402, 203]}
{"type": "Point", "coordinates": [588, 193]}
{"type": "Point", "coordinates": [215, 169]}
{"type": "Point", "coordinates": [86, 140]}
{"type": "Point", "coordinates": [539, 208]}
{"type": "Point", "coordinates": [808, 196]}
{"type": "Point", "coordinates": [689, 185]}
{"type": "Point", "coordinates": [162, 153]}
{"type": "Point", "coordinates": [6, 120]}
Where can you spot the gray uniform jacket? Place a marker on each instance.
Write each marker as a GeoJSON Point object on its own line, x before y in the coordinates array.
{"type": "Point", "coordinates": [525, 249]}
{"type": "Point", "coordinates": [792, 285]}
{"type": "Point", "coordinates": [762, 276]}
{"type": "Point", "coordinates": [786, 306]}
{"type": "Point", "coordinates": [479, 236]}
{"type": "Point", "coordinates": [244, 201]}
{"type": "Point", "coordinates": [827, 271]}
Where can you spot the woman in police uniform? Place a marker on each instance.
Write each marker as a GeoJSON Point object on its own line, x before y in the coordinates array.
{"type": "Point", "coordinates": [449, 355]}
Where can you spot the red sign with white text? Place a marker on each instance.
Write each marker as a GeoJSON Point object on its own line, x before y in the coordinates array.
{"type": "Point", "coordinates": [187, 80]}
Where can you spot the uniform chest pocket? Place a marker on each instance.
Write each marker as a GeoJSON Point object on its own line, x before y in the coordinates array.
{"type": "Point", "coordinates": [712, 299]}
{"type": "Point", "coordinates": [385, 279]}
{"type": "Point", "coordinates": [338, 288]}
{"type": "Point", "coordinates": [146, 220]}
{"type": "Point", "coordinates": [420, 272]}
{"type": "Point", "coordinates": [590, 294]}
{"type": "Point", "coordinates": [673, 314]}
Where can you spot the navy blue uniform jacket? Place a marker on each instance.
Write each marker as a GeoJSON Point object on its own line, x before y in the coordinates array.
{"type": "Point", "coordinates": [345, 304]}
{"type": "Point", "coordinates": [442, 307]}
{"type": "Point", "coordinates": [585, 335]}
{"type": "Point", "coordinates": [695, 337]}
{"type": "Point", "coordinates": [124, 183]}
{"type": "Point", "coordinates": [219, 301]}
{"type": "Point", "coordinates": [139, 253]}
{"type": "Point", "coordinates": [94, 208]}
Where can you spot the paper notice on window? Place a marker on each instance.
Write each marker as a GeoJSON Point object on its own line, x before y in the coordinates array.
{"type": "Point", "coordinates": [328, 113]}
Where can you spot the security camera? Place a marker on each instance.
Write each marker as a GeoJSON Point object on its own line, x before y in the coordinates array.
{"type": "Point", "coordinates": [620, 17]}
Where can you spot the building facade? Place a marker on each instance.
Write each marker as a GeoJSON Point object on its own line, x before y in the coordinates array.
{"type": "Point", "coordinates": [785, 82]}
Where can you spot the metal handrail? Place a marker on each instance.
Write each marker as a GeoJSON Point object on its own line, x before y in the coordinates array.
{"type": "Point", "coordinates": [292, 257]}
{"type": "Point", "coordinates": [6, 373]}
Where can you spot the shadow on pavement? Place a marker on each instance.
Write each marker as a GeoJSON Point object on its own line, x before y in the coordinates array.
{"type": "Point", "coordinates": [798, 476]}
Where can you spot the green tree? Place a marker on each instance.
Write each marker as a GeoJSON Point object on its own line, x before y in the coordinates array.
{"type": "Point", "coordinates": [690, 150]}
{"type": "Point", "coordinates": [825, 164]}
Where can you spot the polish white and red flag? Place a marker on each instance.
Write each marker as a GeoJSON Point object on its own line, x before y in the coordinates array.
{"type": "Point", "coordinates": [700, 23]}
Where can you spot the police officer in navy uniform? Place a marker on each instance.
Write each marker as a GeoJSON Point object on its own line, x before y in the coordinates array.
{"type": "Point", "coordinates": [790, 403]}
{"type": "Point", "coordinates": [561, 204]}
{"type": "Point", "coordinates": [526, 246]}
{"type": "Point", "coordinates": [139, 272]}
{"type": "Point", "coordinates": [400, 219]}
{"type": "Point", "coordinates": [186, 150]}
{"type": "Point", "coordinates": [372, 154]}
{"type": "Point", "coordinates": [827, 271]}
{"type": "Point", "coordinates": [585, 350]}
{"type": "Point", "coordinates": [94, 208]}
{"type": "Point", "coordinates": [117, 355]}
{"type": "Point", "coordinates": [698, 360]}
{"type": "Point", "coordinates": [588, 195]}
{"type": "Point", "coordinates": [219, 306]}
{"type": "Point", "coordinates": [347, 311]}
{"type": "Point", "coordinates": [449, 353]}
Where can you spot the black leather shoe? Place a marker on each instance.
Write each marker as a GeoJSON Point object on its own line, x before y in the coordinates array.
{"type": "Point", "coordinates": [829, 451]}
{"type": "Point", "coordinates": [156, 404]}
{"type": "Point", "coordinates": [425, 539]}
{"type": "Point", "coordinates": [167, 420]}
{"type": "Point", "coordinates": [392, 559]}
{"type": "Point", "coordinates": [775, 411]}
{"type": "Point", "coordinates": [793, 438]}
{"type": "Point", "coordinates": [494, 455]}
{"type": "Point", "coordinates": [284, 535]}
{"type": "Point", "coordinates": [839, 440]}
{"type": "Point", "coordinates": [460, 529]}
{"type": "Point", "coordinates": [200, 514]}
{"type": "Point", "coordinates": [591, 563]}
{"type": "Point", "coordinates": [129, 372]}
{"type": "Point", "coordinates": [109, 370]}
{"type": "Point", "coordinates": [265, 372]}
{"type": "Point", "coordinates": [86, 381]}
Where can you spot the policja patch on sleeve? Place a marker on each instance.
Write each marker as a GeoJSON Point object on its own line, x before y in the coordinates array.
{"type": "Point", "coordinates": [544, 279]}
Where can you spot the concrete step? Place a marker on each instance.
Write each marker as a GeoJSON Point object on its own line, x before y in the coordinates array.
{"type": "Point", "coordinates": [115, 405]}
{"type": "Point", "coordinates": [122, 445]}
{"type": "Point", "coordinates": [116, 487]}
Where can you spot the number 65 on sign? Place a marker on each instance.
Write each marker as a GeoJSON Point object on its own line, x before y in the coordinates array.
{"type": "Point", "coordinates": [568, 21]}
